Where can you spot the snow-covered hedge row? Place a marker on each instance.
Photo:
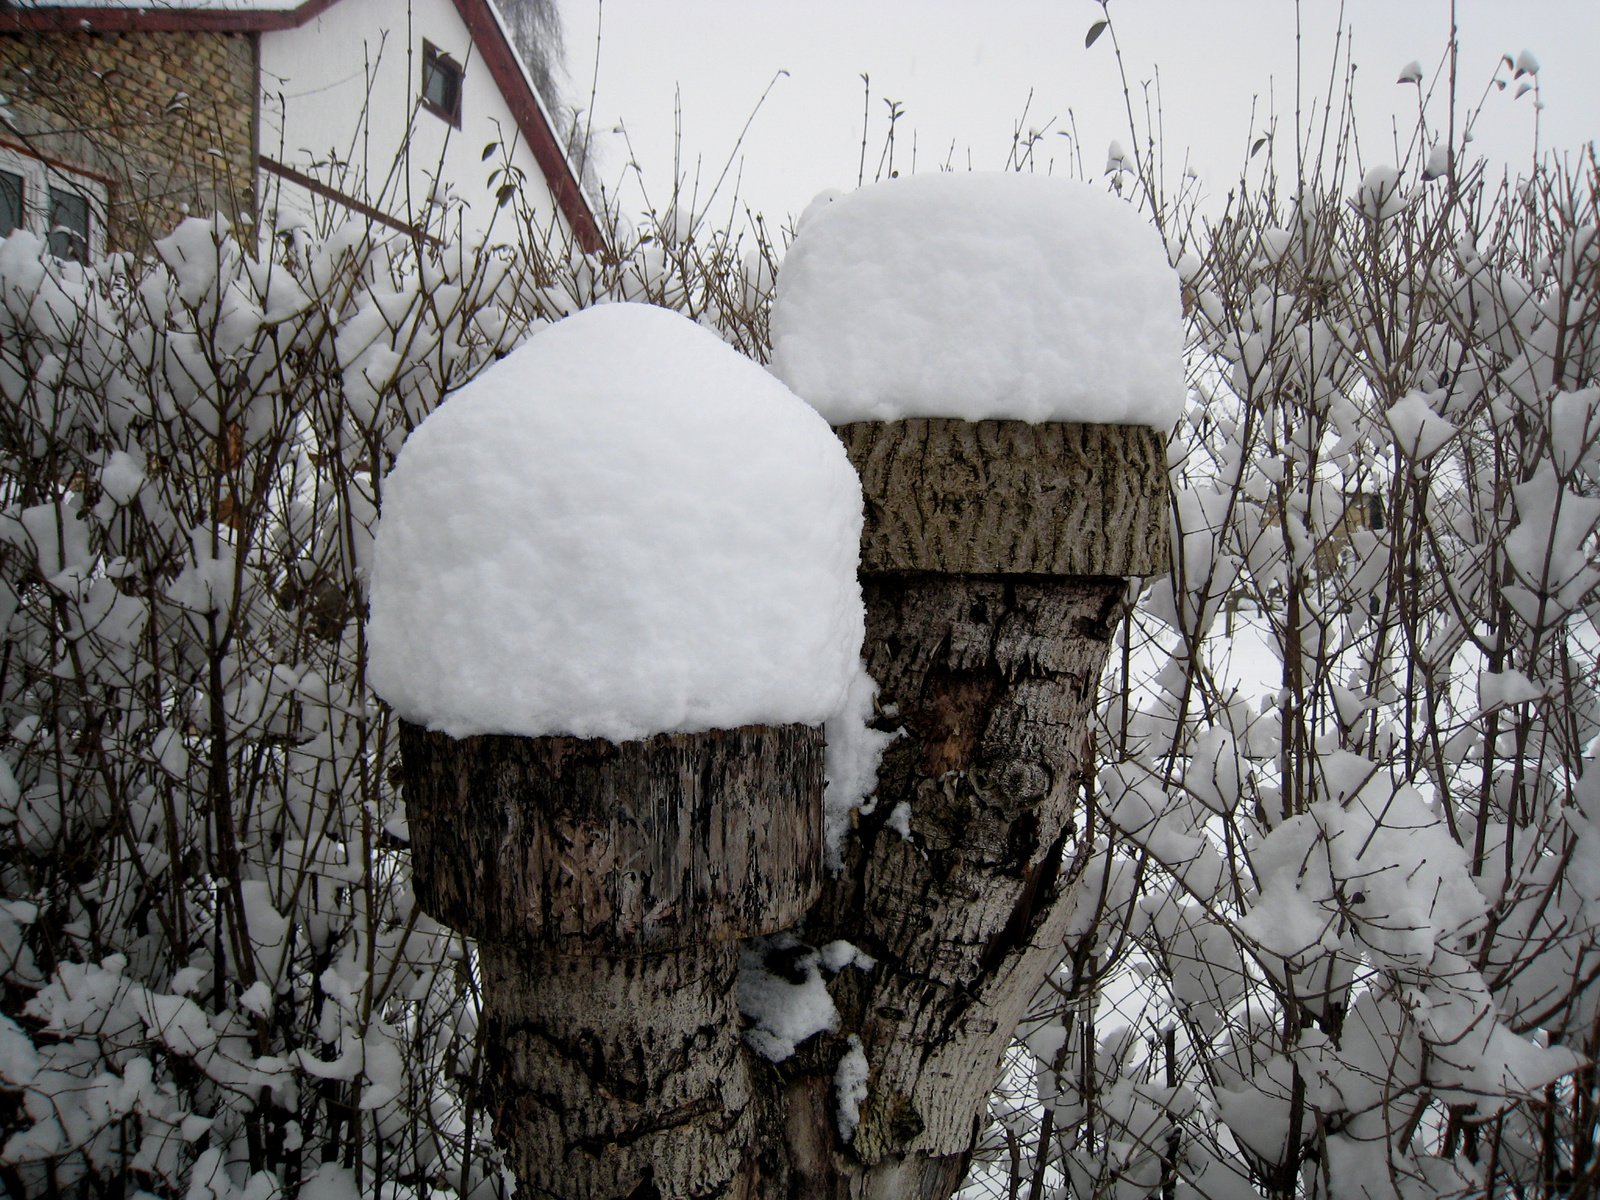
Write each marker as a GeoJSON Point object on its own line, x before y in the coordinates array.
{"type": "Point", "coordinates": [1340, 932]}
{"type": "Point", "coordinates": [1337, 932]}
{"type": "Point", "coordinates": [215, 981]}
{"type": "Point", "coordinates": [201, 841]}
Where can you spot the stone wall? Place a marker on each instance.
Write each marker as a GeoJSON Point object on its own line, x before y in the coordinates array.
{"type": "Point", "coordinates": [166, 121]}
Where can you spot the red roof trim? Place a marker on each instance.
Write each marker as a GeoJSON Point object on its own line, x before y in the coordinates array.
{"type": "Point", "coordinates": [157, 19]}
{"type": "Point", "coordinates": [489, 36]}
{"type": "Point", "coordinates": [23, 148]}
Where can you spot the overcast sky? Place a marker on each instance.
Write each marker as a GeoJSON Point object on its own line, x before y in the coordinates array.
{"type": "Point", "coordinates": [963, 73]}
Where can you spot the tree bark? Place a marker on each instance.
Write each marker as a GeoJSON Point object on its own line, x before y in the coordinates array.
{"type": "Point", "coordinates": [607, 885]}
{"type": "Point", "coordinates": [1007, 497]}
{"type": "Point", "coordinates": [617, 1076]}
{"type": "Point", "coordinates": [591, 847]}
{"type": "Point", "coordinates": [993, 570]}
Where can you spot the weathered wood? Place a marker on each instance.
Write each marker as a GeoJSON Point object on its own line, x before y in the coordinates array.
{"type": "Point", "coordinates": [1009, 497]}
{"type": "Point", "coordinates": [993, 568]}
{"type": "Point", "coordinates": [996, 683]}
{"type": "Point", "coordinates": [614, 1077]}
{"type": "Point", "coordinates": [993, 680]}
{"type": "Point", "coordinates": [592, 847]}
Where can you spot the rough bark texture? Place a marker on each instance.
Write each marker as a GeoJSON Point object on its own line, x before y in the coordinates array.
{"type": "Point", "coordinates": [590, 847]}
{"type": "Point", "coordinates": [617, 1077]}
{"type": "Point", "coordinates": [992, 570]}
{"type": "Point", "coordinates": [993, 680]}
{"type": "Point", "coordinates": [607, 885]}
{"type": "Point", "coordinates": [1007, 497]}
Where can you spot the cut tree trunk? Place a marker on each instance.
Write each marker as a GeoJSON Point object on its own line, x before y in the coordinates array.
{"type": "Point", "coordinates": [994, 567]}
{"type": "Point", "coordinates": [586, 846]}
{"type": "Point", "coordinates": [607, 885]}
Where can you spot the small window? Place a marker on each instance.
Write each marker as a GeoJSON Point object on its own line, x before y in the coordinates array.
{"type": "Point", "coordinates": [12, 214]}
{"type": "Point", "coordinates": [441, 84]}
{"type": "Point", "coordinates": [69, 225]}
{"type": "Point", "coordinates": [55, 201]}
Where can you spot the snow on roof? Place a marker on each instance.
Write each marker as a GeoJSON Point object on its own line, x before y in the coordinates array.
{"type": "Point", "coordinates": [186, 6]}
{"type": "Point", "coordinates": [623, 528]}
{"type": "Point", "coordinates": [980, 296]}
{"type": "Point", "coordinates": [120, 16]}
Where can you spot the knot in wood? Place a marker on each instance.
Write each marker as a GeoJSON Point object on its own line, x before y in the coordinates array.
{"type": "Point", "coordinates": [1022, 780]}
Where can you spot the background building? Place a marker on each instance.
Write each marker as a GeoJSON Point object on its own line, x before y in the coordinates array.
{"type": "Point", "coordinates": [118, 119]}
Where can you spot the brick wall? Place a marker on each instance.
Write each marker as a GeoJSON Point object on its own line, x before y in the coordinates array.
{"type": "Point", "coordinates": [165, 120]}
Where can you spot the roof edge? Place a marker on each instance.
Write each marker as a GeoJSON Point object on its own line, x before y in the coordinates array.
{"type": "Point", "coordinates": [156, 19]}
{"type": "Point", "coordinates": [493, 41]}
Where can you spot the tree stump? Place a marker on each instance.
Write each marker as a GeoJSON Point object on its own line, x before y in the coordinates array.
{"type": "Point", "coordinates": [994, 565]}
{"type": "Point", "coordinates": [606, 885]}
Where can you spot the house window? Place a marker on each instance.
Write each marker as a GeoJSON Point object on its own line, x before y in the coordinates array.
{"type": "Point", "coordinates": [12, 214]}
{"type": "Point", "coordinates": [69, 224]}
{"type": "Point", "coordinates": [65, 207]}
{"type": "Point", "coordinates": [441, 84]}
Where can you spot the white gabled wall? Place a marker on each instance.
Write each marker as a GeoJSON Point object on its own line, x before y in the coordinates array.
{"type": "Point", "coordinates": [315, 88]}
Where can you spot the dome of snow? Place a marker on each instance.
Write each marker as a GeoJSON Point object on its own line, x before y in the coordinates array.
{"type": "Point", "coordinates": [980, 296]}
{"type": "Point", "coordinates": [623, 528]}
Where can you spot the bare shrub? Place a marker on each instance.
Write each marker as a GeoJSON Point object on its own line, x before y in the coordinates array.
{"type": "Point", "coordinates": [215, 975]}
{"type": "Point", "coordinates": [1337, 931]}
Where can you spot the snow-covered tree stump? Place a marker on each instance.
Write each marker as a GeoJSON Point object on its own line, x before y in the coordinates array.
{"type": "Point", "coordinates": [994, 564]}
{"type": "Point", "coordinates": [1001, 356]}
{"type": "Point", "coordinates": [606, 884]}
{"type": "Point", "coordinates": [613, 602]}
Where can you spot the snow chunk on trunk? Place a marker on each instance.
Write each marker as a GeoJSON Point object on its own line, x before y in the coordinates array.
{"type": "Point", "coordinates": [850, 1082]}
{"type": "Point", "coordinates": [850, 769]}
{"type": "Point", "coordinates": [980, 296]}
{"type": "Point", "coordinates": [780, 988]}
{"type": "Point", "coordinates": [623, 528]}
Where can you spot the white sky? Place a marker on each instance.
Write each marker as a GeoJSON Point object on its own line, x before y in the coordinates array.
{"type": "Point", "coordinates": [963, 69]}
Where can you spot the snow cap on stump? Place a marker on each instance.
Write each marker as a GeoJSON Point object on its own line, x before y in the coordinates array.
{"type": "Point", "coordinates": [623, 528]}
{"type": "Point", "coordinates": [976, 297]}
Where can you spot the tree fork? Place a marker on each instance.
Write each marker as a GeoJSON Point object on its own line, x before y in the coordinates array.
{"type": "Point", "coordinates": [606, 883]}
{"type": "Point", "coordinates": [994, 566]}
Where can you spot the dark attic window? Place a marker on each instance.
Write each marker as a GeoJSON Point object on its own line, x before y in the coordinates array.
{"type": "Point", "coordinates": [69, 225]}
{"type": "Point", "coordinates": [11, 214]}
{"type": "Point", "coordinates": [441, 84]}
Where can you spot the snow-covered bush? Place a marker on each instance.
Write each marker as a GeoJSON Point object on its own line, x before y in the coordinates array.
{"type": "Point", "coordinates": [224, 962]}
{"type": "Point", "coordinates": [1338, 919]}
{"type": "Point", "coordinates": [215, 980]}
{"type": "Point", "coordinates": [1339, 929]}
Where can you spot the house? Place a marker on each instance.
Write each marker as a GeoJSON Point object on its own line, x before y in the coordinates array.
{"type": "Point", "coordinates": [116, 119]}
